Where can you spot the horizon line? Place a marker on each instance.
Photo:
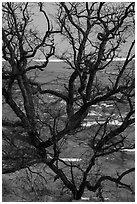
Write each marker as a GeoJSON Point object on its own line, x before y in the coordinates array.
{"type": "Point", "coordinates": [59, 60]}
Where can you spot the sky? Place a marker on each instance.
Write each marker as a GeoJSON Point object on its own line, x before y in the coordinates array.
{"type": "Point", "coordinates": [51, 9]}
{"type": "Point", "coordinates": [39, 22]}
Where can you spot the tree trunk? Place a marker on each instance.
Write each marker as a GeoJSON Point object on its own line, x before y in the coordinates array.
{"type": "Point", "coordinates": [78, 194]}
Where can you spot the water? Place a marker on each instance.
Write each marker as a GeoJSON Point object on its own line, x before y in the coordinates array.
{"type": "Point", "coordinates": [113, 122]}
{"type": "Point", "coordinates": [71, 159]}
{"type": "Point", "coordinates": [128, 150]}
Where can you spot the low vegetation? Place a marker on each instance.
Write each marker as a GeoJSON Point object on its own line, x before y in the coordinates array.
{"type": "Point", "coordinates": [83, 112]}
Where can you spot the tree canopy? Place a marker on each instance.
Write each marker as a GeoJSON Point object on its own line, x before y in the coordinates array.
{"type": "Point", "coordinates": [94, 34]}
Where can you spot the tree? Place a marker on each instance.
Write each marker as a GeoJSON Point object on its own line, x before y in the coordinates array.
{"type": "Point", "coordinates": [95, 34]}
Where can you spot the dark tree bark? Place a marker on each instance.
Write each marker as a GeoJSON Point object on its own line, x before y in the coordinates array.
{"type": "Point", "coordinates": [94, 39]}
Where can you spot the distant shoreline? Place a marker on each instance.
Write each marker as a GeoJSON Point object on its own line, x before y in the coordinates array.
{"type": "Point", "coordinates": [59, 60]}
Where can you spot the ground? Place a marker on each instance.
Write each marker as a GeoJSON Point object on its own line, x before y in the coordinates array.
{"type": "Point", "coordinates": [37, 182]}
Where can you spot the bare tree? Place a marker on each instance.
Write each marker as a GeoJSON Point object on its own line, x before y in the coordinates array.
{"type": "Point", "coordinates": [95, 33]}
